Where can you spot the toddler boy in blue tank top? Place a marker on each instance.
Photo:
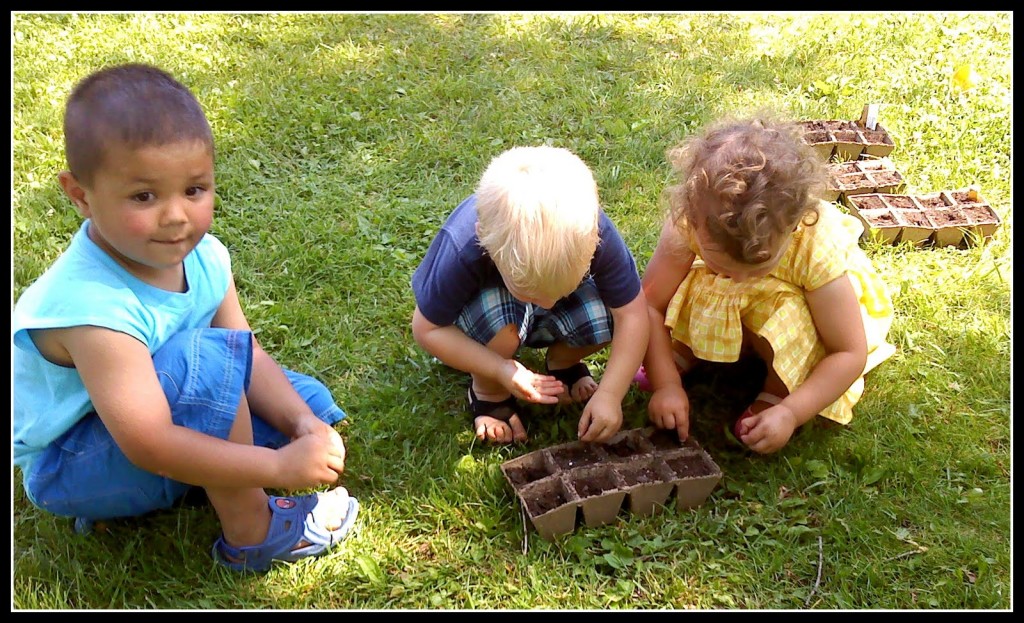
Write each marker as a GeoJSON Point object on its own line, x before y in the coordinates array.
{"type": "Point", "coordinates": [136, 374]}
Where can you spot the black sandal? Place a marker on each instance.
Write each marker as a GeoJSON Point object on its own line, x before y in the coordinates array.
{"type": "Point", "coordinates": [570, 375]}
{"type": "Point", "coordinates": [502, 410]}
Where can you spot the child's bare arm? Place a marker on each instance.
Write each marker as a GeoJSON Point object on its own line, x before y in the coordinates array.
{"type": "Point", "coordinates": [271, 394]}
{"type": "Point", "coordinates": [667, 268]}
{"type": "Point", "coordinates": [602, 416]}
{"type": "Point", "coordinates": [117, 371]}
{"type": "Point", "coordinates": [837, 316]}
{"type": "Point", "coordinates": [629, 343]}
{"type": "Point", "coordinates": [456, 349]}
{"type": "Point", "coordinates": [669, 406]}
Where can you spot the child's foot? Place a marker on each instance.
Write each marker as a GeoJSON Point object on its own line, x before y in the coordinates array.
{"type": "Point", "coordinates": [299, 527]}
{"type": "Point", "coordinates": [496, 421]}
{"type": "Point", "coordinates": [580, 384]}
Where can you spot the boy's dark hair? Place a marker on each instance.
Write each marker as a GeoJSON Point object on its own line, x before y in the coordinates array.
{"type": "Point", "coordinates": [134, 105]}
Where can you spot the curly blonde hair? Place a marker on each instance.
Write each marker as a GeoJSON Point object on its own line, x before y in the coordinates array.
{"type": "Point", "coordinates": [748, 183]}
{"type": "Point", "coordinates": [537, 209]}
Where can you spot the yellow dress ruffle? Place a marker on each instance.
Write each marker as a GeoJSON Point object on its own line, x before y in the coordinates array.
{"type": "Point", "coordinates": [708, 312]}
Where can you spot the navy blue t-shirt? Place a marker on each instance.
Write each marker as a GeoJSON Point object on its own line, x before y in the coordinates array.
{"type": "Point", "coordinates": [456, 267]}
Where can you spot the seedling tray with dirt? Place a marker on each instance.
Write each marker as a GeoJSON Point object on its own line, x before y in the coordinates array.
{"type": "Point", "coordinates": [946, 218]}
{"type": "Point", "coordinates": [637, 470]}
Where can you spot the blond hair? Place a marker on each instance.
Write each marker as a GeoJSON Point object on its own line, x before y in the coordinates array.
{"type": "Point", "coordinates": [538, 218]}
{"type": "Point", "coordinates": [749, 183]}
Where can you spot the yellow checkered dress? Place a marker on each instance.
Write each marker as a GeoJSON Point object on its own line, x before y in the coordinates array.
{"type": "Point", "coordinates": [708, 313]}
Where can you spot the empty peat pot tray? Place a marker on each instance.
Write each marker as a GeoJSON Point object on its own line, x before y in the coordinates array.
{"type": "Point", "coordinates": [638, 470]}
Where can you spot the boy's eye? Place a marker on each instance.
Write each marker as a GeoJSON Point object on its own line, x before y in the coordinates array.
{"type": "Point", "coordinates": [142, 197]}
{"type": "Point", "coordinates": [194, 190]}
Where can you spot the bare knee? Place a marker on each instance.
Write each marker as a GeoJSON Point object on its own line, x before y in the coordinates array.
{"type": "Point", "coordinates": [506, 341]}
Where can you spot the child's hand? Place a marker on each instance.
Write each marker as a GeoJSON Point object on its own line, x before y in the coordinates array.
{"type": "Point", "coordinates": [601, 419]}
{"type": "Point", "coordinates": [312, 425]}
{"type": "Point", "coordinates": [768, 431]}
{"type": "Point", "coordinates": [530, 386]}
{"type": "Point", "coordinates": [669, 408]}
{"type": "Point", "coordinates": [309, 461]}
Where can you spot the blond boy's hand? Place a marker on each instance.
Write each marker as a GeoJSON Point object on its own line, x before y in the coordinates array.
{"type": "Point", "coordinates": [530, 386]}
{"type": "Point", "coordinates": [601, 419]}
{"type": "Point", "coordinates": [669, 408]}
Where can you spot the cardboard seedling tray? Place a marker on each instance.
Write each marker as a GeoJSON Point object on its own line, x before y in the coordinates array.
{"type": "Point", "coordinates": [946, 218]}
{"type": "Point", "coordinates": [846, 140]}
{"type": "Point", "coordinates": [637, 470]}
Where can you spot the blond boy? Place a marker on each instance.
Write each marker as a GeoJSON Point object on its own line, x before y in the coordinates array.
{"type": "Point", "coordinates": [530, 259]}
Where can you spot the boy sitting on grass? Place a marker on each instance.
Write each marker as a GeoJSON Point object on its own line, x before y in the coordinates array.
{"type": "Point", "coordinates": [136, 374]}
{"type": "Point", "coordinates": [530, 259]}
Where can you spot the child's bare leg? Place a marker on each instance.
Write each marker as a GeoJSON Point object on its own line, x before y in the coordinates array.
{"type": "Point", "coordinates": [243, 512]}
{"type": "Point", "coordinates": [772, 383]}
{"type": "Point", "coordinates": [684, 358]}
{"type": "Point", "coordinates": [505, 343]}
{"type": "Point", "coordinates": [561, 356]}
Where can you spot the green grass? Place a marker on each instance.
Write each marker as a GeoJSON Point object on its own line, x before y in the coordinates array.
{"type": "Point", "coordinates": [343, 140]}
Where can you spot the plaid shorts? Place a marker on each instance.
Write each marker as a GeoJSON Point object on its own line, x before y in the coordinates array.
{"type": "Point", "coordinates": [203, 373]}
{"type": "Point", "coordinates": [579, 319]}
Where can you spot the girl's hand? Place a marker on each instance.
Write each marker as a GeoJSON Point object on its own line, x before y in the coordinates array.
{"type": "Point", "coordinates": [530, 386]}
{"type": "Point", "coordinates": [769, 431]}
{"type": "Point", "coordinates": [669, 408]}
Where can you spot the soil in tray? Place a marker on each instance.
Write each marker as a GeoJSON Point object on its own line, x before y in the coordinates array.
{"type": "Point", "coordinates": [594, 483]}
{"type": "Point", "coordinates": [978, 213]}
{"type": "Point", "coordinates": [841, 126]}
{"type": "Point", "coordinates": [868, 202]}
{"type": "Point", "coordinates": [902, 201]}
{"type": "Point", "coordinates": [886, 178]}
{"type": "Point", "coordinates": [526, 474]}
{"type": "Point", "coordinates": [844, 168]}
{"type": "Point", "coordinates": [688, 466]}
{"type": "Point", "coordinates": [813, 138]}
{"type": "Point", "coordinates": [627, 446]}
{"type": "Point", "coordinates": [845, 136]}
{"type": "Point", "coordinates": [575, 456]}
{"type": "Point", "coordinates": [876, 137]}
{"type": "Point", "coordinates": [545, 499]}
{"type": "Point", "coordinates": [855, 180]}
{"type": "Point", "coordinates": [946, 218]}
{"type": "Point", "coordinates": [882, 219]}
{"type": "Point", "coordinates": [814, 126]}
{"type": "Point", "coordinates": [916, 218]}
{"type": "Point", "coordinates": [664, 439]}
{"type": "Point", "coordinates": [963, 196]}
{"type": "Point", "coordinates": [932, 201]}
{"type": "Point", "coordinates": [640, 476]}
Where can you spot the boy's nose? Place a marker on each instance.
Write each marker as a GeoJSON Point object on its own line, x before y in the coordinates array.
{"type": "Point", "coordinates": [175, 211]}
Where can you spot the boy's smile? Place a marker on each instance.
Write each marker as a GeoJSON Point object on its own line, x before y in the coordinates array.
{"type": "Point", "coordinates": [149, 207]}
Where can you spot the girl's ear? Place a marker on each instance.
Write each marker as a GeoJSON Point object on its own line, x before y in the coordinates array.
{"type": "Point", "coordinates": [75, 192]}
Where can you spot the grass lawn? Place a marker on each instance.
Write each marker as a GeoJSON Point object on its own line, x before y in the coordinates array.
{"type": "Point", "coordinates": [344, 140]}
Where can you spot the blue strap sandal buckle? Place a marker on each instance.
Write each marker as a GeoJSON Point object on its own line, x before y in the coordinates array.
{"type": "Point", "coordinates": [292, 521]}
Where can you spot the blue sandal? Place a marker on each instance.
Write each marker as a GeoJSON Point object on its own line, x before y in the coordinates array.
{"type": "Point", "coordinates": [292, 520]}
